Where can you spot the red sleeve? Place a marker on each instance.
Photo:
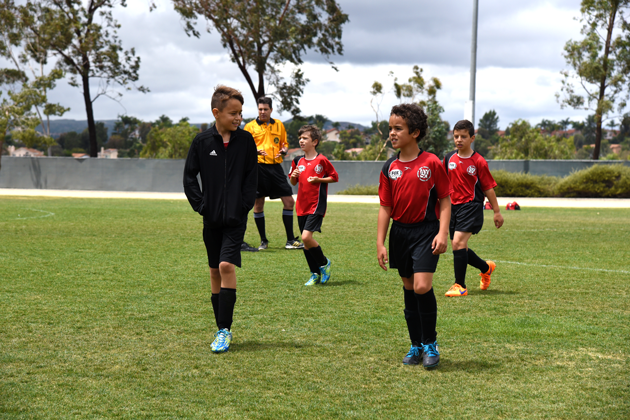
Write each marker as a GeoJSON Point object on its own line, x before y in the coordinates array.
{"type": "Point", "coordinates": [442, 183]}
{"type": "Point", "coordinates": [292, 168]}
{"type": "Point", "coordinates": [485, 177]}
{"type": "Point", "coordinates": [384, 191]}
{"type": "Point", "coordinates": [330, 170]}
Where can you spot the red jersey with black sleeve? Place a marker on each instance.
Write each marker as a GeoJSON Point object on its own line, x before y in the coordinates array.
{"type": "Point", "coordinates": [312, 198]}
{"type": "Point", "coordinates": [470, 177]}
{"type": "Point", "coordinates": [413, 189]}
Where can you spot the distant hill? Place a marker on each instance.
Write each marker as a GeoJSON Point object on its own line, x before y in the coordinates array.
{"type": "Point", "coordinates": [58, 127]}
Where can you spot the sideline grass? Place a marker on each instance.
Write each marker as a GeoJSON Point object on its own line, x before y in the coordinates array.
{"type": "Point", "coordinates": [105, 313]}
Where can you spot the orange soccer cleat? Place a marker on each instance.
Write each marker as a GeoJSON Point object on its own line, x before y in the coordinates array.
{"type": "Point", "coordinates": [456, 290]}
{"type": "Point", "coordinates": [485, 277]}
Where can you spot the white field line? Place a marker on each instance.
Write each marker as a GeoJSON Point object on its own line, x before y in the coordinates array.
{"type": "Point", "coordinates": [48, 214]}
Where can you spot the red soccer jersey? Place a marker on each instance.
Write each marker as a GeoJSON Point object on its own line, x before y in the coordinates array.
{"type": "Point", "coordinates": [470, 177]}
{"type": "Point", "coordinates": [312, 198]}
{"type": "Point", "coordinates": [412, 189]}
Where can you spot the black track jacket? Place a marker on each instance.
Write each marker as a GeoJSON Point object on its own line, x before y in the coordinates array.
{"type": "Point", "coordinates": [229, 177]}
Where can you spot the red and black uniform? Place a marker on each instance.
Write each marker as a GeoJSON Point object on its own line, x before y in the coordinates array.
{"type": "Point", "coordinates": [312, 199]}
{"type": "Point", "coordinates": [413, 190]}
{"type": "Point", "coordinates": [470, 177]}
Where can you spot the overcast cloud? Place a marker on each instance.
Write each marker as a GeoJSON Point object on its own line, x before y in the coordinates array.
{"type": "Point", "coordinates": [519, 60]}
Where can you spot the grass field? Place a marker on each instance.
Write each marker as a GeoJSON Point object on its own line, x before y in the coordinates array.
{"type": "Point", "coordinates": [105, 313]}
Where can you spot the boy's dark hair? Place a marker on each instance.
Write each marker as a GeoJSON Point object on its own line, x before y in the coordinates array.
{"type": "Point", "coordinates": [465, 125]}
{"type": "Point", "coordinates": [313, 131]}
{"type": "Point", "coordinates": [222, 94]}
{"type": "Point", "coordinates": [265, 101]}
{"type": "Point", "coordinates": [414, 116]}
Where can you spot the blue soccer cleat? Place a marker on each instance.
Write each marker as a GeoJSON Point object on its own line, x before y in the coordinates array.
{"type": "Point", "coordinates": [222, 340]}
{"type": "Point", "coordinates": [414, 355]}
{"type": "Point", "coordinates": [315, 278]}
{"type": "Point", "coordinates": [325, 270]}
{"type": "Point", "coordinates": [431, 356]}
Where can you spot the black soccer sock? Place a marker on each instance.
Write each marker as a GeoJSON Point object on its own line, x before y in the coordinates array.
{"type": "Point", "coordinates": [427, 307]}
{"type": "Point", "coordinates": [215, 306]}
{"type": "Point", "coordinates": [460, 261]}
{"type": "Point", "coordinates": [227, 299]}
{"type": "Point", "coordinates": [412, 316]}
{"type": "Point", "coordinates": [287, 219]}
{"type": "Point", "coordinates": [312, 265]}
{"type": "Point", "coordinates": [318, 255]}
{"type": "Point", "coordinates": [477, 262]}
{"type": "Point", "coordinates": [259, 218]}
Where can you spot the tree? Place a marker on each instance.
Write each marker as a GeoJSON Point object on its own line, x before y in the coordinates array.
{"type": "Point", "coordinates": [86, 49]}
{"type": "Point", "coordinates": [263, 36]}
{"type": "Point", "coordinates": [489, 124]}
{"type": "Point", "coordinates": [527, 142]}
{"type": "Point", "coordinates": [25, 101]}
{"type": "Point", "coordinates": [548, 126]}
{"type": "Point", "coordinates": [170, 142]}
{"type": "Point", "coordinates": [424, 93]}
{"type": "Point", "coordinates": [600, 61]}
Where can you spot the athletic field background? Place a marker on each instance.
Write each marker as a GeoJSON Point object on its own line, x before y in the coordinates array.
{"type": "Point", "coordinates": [105, 313]}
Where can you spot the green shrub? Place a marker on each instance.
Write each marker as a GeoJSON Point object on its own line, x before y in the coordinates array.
{"type": "Point", "coordinates": [610, 181]}
{"type": "Point", "coordinates": [518, 184]}
{"type": "Point", "coordinates": [360, 190]}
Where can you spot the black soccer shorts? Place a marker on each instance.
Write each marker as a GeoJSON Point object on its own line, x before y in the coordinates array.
{"type": "Point", "coordinates": [410, 248]}
{"type": "Point", "coordinates": [466, 217]}
{"type": "Point", "coordinates": [272, 182]}
{"type": "Point", "coordinates": [310, 222]}
{"type": "Point", "coordinates": [224, 244]}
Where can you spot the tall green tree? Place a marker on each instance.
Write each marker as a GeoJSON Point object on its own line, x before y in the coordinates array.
{"type": "Point", "coordinates": [527, 142]}
{"type": "Point", "coordinates": [84, 37]}
{"type": "Point", "coordinates": [600, 62]}
{"type": "Point", "coordinates": [489, 124]}
{"type": "Point", "coordinates": [169, 142]}
{"type": "Point", "coordinates": [262, 36]}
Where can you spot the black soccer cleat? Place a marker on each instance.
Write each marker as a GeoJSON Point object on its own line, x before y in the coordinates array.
{"type": "Point", "coordinates": [245, 247]}
{"type": "Point", "coordinates": [294, 244]}
{"type": "Point", "coordinates": [431, 356]}
{"type": "Point", "coordinates": [264, 245]}
{"type": "Point", "coordinates": [414, 355]}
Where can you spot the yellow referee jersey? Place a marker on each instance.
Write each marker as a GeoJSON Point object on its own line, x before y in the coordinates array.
{"type": "Point", "coordinates": [270, 137]}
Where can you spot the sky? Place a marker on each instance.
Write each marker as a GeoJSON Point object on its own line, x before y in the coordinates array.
{"type": "Point", "coordinates": [520, 46]}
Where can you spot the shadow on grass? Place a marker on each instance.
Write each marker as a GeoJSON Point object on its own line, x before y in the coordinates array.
{"type": "Point", "coordinates": [263, 346]}
{"type": "Point", "coordinates": [471, 366]}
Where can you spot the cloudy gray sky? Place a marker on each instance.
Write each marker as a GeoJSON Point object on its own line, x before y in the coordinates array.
{"type": "Point", "coordinates": [519, 60]}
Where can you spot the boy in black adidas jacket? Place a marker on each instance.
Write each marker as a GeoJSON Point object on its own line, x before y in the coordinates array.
{"type": "Point", "coordinates": [225, 157]}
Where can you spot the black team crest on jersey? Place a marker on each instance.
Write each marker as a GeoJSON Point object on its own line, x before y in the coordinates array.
{"type": "Point", "coordinates": [276, 140]}
{"type": "Point", "coordinates": [424, 173]}
{"type": "Point", "coordinates": [394, 174]}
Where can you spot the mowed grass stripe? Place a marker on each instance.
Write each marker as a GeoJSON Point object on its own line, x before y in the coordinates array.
{"type": "Point", "coordinates": [105, 313]}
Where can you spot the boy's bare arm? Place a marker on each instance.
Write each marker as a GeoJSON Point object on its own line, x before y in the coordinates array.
{"type": "Point", "coordinates": [384, 214]}
{"type": "Point", "coordinates": [440, 242]}
{"type": "Point", "coordinates": [492, 197]}
{"type": "Point", "coordinates": [294, 176]}
{"type": "Point", "coordinates": [326, 180]}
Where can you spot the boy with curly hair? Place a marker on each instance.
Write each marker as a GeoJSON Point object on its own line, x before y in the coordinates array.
{"type": "Point", "coordinates": [414, 191]}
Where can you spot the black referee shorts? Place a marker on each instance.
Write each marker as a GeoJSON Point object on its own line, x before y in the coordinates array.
{"type": "Point", "coordinates": [466, 217]}
{"type": "Point", "coordinates": [224, 244]}
{"type": "Point", "coordinates": [272, 182]}
{"type": "Point", "coordinates": [311, 222]}
{"type": "Point", "coordinates": [410, 247]}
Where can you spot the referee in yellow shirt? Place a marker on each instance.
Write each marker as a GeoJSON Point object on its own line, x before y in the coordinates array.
{"type": "Point", "coordinates": [271, 141]}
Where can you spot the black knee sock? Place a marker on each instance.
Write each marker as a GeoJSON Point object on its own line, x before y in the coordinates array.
{"type": "Point", "coordinates": [215, 306]}
{"type": "Point", "coordinates": [312, 265]}
{"type": "Point", "coordinates": [318, 255]}
{"type": "Point", "coordinates": [259, 218]}
{"type": "Point", "coordinates": [227, 299]}
{"type": "Point", "coordinates": [460, 261]}
{"type": "Point", "coordinates": [477, 262]}
{"type": "Point", "coordinates": [287, 219]}
{"type": "Point", "coordinates": [413, 318]}
{"type": "Point", "coordinates": [427, 307]}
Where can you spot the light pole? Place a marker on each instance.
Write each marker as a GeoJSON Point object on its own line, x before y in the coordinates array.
{"type": "Point", "coordinates": [469, 112]}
